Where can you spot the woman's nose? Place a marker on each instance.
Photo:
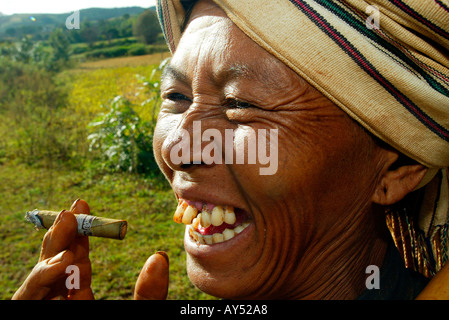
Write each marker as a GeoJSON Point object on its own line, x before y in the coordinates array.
{"type": "Point", "coordinates": [191, 144]}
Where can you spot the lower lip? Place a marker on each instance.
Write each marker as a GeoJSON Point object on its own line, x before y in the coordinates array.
{"type": "Point", "coordinates": [237, 243]}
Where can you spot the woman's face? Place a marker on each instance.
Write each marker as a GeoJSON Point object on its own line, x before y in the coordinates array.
{"type": "Point", "coordinates": [292, 224]}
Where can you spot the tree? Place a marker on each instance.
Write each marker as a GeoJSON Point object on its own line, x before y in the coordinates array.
{"type": "Point", "coordinates": [147, 27]}
{"type": "Point", "coordinates": [60, 44]}
{"type": "Point", "coordinates": [89, 33]}
{"type": "Point", "coordinates": [111, 33]}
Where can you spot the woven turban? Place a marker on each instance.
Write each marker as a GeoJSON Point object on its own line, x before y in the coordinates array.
{"type": "Point", "coordinates": [386, 64]}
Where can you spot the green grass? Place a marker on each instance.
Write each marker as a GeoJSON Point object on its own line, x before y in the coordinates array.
{"type": "Point", "coordinates": [147, 206]}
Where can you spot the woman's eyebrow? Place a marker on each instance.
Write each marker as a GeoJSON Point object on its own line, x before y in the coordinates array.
{"type": "Point", "coordinates": [172, 73]}
{"type": "Point", "coordinates": [258, 73]}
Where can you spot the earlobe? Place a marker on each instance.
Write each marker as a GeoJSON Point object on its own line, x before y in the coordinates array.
{"type": "Point", "coordinates": [397, 182]}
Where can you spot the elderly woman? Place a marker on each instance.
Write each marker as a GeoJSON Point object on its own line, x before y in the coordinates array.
{"type": "Point", "coordinates": [357, 107]}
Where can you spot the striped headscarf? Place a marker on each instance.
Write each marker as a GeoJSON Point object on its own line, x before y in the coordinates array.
{"type": "Point", "coordinates": [386, 64]}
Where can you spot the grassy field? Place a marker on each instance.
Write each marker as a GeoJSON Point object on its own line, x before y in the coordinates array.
{"type": "Point", "coordinates": [146, 203]}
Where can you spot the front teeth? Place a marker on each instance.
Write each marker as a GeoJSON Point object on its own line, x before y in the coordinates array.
{"type": "Point", "coordinates": [185, 213]}
{"type": "Point", "coordinates": [216, 237]}
{"type": "Point", "coordinates": [217, 216]}
{"type": "Point", "coordinates": [190, 215]}
{"type": "Point", "coordinates": [205, 217]}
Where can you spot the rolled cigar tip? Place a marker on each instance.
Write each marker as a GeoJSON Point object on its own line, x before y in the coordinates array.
{"type": "Point", "coordinates": [123, 230]}
{"type": "Point", "coordinates": [88, 225]}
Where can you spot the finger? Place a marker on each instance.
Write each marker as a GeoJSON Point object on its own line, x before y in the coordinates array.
{"type": "Point", "coordinates": [59, 236]}
{"type": "Point", "coordinates": [44, 276]}
{"type": "Point", "coordinates": [152, 283]}
{"type": "Point", "coordinates": [80, 206]}
{"type": "Point", "coordinates": [81, 246]}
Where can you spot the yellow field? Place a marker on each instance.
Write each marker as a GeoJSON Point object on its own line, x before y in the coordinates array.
{"type": "Point", "coordinates": [95, 83]}
{"type": "Point", "coordinates": [149, 59]}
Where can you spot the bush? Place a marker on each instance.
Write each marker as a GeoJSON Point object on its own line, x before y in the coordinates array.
{"type": "Point", "coordinates": [123, 140]}
{"type": "Point", "coordinates": [137, 50]}
{"type": "Point", "coordinates": [108, 52]}
{"type": "Point", "coordinates": [77, 49]}
{"type": "Point", "coordinates": [33, 102]}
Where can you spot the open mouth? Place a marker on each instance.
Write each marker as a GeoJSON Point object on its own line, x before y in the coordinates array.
{"type": "Point", "coordinates": [209, 223]}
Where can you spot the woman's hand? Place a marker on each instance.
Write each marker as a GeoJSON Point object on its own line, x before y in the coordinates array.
{"type": "Point", "coordinates": [62, 247]}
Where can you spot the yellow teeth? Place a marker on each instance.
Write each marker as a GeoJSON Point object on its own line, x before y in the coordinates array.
{"type": "Point", "coordinates": [205, 217]}
{"type": "Point", "coordinates": [189, 215]}
{"type": "Point", "coordinates": [228, 234]}
{"type": "Point", "coordinates": [182, 206]}
{"type": "Point", "coordinates": [217, 216]}
{"type": "Point", "coordinates": [216, 237]}
{"type": "Point", "coordinates": [186, 213]}
{"type": "Point", "coordinates": [229, 216]}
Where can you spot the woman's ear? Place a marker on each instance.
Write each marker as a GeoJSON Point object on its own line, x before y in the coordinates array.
{"type": "Point", "coordinates": [399, 178]}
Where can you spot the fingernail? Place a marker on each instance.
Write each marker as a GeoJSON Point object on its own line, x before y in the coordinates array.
{"type": "Point", "coordinates": [59, 217]}
{"type": "Point", "coordinates": [74, 203]}
{"type": "Point", "coordinates": [57, 258]}
{"type": "Point", "coordinates": [162, 253]}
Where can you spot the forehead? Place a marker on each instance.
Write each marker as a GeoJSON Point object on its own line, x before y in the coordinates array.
{"type": "Point", "coordinates": [210, 36]}
{"type": "Point", "coordinates": [213, 45]}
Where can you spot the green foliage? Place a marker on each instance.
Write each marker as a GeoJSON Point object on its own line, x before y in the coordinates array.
{"type": "Point", "coordinates": [152, 85]}
{"type": "Point", "coordinates": [61, 52]}
{"type": "Point", "coordinates": [32, 101]}
{"type": "Point", "coordinates": [147, 27]}
{"type": "Point", "coordinates": [115, 51]}
{"type": "Point", "coordinates": [123, 139]}
{"type": "Point", "coordinates": [108, 52]}
{"type": "Point", "coordinates": [52, 57]}
{"type": "Point", "coordinates": [137, 49]}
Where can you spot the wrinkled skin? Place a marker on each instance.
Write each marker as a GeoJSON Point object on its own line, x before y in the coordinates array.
{"type": "Point", "coordinates": [315, 225]}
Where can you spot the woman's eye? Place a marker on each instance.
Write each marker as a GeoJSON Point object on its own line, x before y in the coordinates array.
{"type": "Point", "coordinates": [175, 96]}
{"type": "Point", "coordinates": [231, 103]}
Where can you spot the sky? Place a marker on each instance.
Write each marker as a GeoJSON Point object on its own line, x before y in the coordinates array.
{"type": "Point", "coordinates": [63, 6]}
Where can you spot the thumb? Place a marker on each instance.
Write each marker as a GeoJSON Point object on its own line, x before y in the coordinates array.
{"type": "Point", "coordinates": [152, 283]}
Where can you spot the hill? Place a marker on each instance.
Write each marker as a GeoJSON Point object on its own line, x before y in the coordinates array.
{"type": "Point", "coordinates": [13, 26]}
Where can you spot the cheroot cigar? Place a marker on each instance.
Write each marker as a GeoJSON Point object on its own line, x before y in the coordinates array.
{"type": "Point", "coordinates": [88, 225]}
